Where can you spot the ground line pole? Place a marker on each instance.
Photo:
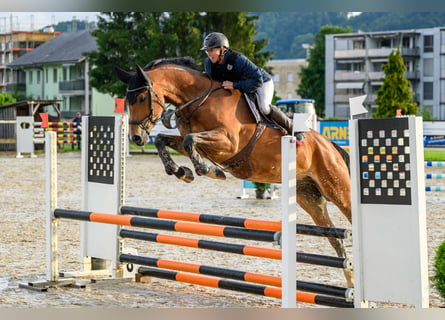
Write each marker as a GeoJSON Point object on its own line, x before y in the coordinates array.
{"type": "Point", "coordinates": [51, 204]}
{"type": "Point", "coordinates": [288, 221]}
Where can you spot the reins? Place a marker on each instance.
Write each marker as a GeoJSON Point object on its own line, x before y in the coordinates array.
{"type": "Point", "coordinates": [151, 92]}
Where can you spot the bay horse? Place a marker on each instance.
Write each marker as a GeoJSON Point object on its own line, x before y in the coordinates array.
{"type": "Point", "coordinates": [217, 124]}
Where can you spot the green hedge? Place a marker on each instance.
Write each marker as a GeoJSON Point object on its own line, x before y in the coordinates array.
{"type": "Point", "coordinates": [439, 270]}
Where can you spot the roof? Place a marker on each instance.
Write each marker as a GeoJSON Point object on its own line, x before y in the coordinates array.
{"type": "Point", "coordinates": [25, 103]}
{"type": "Point", "coordinates": [69, 47]}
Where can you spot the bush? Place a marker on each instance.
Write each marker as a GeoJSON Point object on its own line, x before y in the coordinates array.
{"type": "Point", "coordinates": [6, 98]}
{"type": "Point", "coordinates": [439, 270]}
{"type": "Point", "coordinates": [262, 186]}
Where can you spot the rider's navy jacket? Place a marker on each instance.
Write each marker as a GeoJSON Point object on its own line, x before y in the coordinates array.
{"type": "Point", "coordinates": [245, 75]}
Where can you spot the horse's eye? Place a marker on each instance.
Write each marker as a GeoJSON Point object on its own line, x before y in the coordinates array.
{"type": "Point", "coordinates": [142, 99]}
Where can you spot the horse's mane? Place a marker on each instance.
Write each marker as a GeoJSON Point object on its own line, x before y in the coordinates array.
{"type": "Point", "coordinates": [188, 62]}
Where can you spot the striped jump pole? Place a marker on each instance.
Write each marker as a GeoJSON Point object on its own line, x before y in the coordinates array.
{"type": "Point", "coordinates": [435, 188]}
{"type": "Point", "coordinates": [338, 233]}
{"type": "Point", "coordinates": [266, 291]}
{"type": "Point", "coordinates": [269, 253]}
{"type": "Point", "coordinates": [61, 129]}
{"type": "Point", "coordinates": [435, 163]}
{"type": "Point", "coordinates": [235, 275]}
{"type": "Point", "coordinates": [434, 176]}
{"type": "Point", "coordinates": [194, 228]}
{"type": "Point", "coordinates": [179, 226]}
{"type": "Point", "coordinates": [59, 124]}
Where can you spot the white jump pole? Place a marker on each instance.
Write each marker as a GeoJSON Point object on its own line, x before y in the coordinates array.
{"type": "Point", "coordinates": [289, 210]}
{"type": "Point", "coordinates": [288, 221]}
{"type": "Point", "coordinates": [51, 204]}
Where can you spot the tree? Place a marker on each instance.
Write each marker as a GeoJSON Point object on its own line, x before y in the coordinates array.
{"type": "Point", "coordinates": [312, 77]}
{"type": "Point", "coordinates": [127, 39]}
{"type": "Point", "coordinates": [395, 93]}
{"type": "Point", "coordinates": [6, 98]}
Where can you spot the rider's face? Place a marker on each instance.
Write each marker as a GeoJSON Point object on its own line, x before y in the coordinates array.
{"type": "Point", "coordinates": [214, 54]}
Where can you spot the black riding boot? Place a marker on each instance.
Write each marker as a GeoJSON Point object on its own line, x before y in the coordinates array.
{"type": "Point", "coordinates": [281, 119]}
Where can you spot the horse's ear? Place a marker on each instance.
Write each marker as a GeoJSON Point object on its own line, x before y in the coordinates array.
{"type": "Point", "coordinates": [122, 74]}
{"type": "Point", "coordinates": [143, 75]}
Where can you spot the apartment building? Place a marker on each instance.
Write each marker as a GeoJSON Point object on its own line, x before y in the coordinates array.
{"type": "Point", "coordinates": [15, 44]}
{"type": "Point", "coordinates": [286, 77]}
{"type": "Point", "coordinates": [59, 70]}
{"type": "Point", "coordinates": [354, 67]}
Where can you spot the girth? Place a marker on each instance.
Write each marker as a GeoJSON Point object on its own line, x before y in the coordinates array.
{"type": "Point", "coordinates": [240, 165]}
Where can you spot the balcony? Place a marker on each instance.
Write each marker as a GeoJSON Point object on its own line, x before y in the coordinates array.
{"type": "Point", "coordinates": [72, 87]}
{"type": "Point", "coordinates": [349, 54]}
{"type": "Point", "coordinates": [410, 52]}
{"type": "Point", "coordinates": [16, 87]}
{"type": "Point", "coordinates": [376, 75]}
{"type": "Point", "coordinates": [342, 98]}
{"type": "Point", "coordinates": [412, 75]}
{"type": "Point", "coordinates": [380, 52]}
{"type": "Point", "coordinates": [349, 76]}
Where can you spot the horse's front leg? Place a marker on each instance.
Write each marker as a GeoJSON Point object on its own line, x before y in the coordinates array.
{"type": "Point", "coordinates": [171, 167]}
{"type": "Point", "coordinates": [208, 140]}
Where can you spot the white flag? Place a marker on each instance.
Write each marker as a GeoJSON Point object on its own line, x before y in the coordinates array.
{"type": "Point", "coordinates": [301, 122]}
{"type": "Point", "coordinates": [356, 105]}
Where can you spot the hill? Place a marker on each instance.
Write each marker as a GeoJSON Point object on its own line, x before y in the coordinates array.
{"type": "Point", "coordinates": [288, 31]}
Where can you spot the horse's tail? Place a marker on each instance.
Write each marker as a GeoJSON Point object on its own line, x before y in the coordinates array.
{"type": "Point", "coordinates": [343, 154]}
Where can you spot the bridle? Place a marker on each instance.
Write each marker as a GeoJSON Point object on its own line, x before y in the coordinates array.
{"type": "Point", "coordinates": [151, 92]}
{"type": "Point", "coordinates": [150, 117]}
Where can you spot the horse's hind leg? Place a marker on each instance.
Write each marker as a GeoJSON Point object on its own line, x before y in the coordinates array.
{"type": "Point", "coordinates": [313, 202]}
{"type": "Point", "coordinates": [171, 167]}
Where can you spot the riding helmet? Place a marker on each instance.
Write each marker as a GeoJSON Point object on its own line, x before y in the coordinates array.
{"type": "Point", "coordinates": [215, 40]}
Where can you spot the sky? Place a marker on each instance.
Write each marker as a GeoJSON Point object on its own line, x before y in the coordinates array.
{"type": "Point", "coordinates": [26, 21]}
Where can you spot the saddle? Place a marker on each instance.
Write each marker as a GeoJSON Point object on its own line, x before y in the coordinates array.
{"type": "Point", "coordinates": [252, 101]}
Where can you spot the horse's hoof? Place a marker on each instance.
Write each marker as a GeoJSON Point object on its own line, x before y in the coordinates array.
{"type": "Point", "coordinates": [185, 174]}
{"type": "Point", "coordinates": [216, 173]}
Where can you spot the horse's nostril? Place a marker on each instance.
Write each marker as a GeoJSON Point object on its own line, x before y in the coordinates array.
{"type": "Point", "coordinates": [137, 139]}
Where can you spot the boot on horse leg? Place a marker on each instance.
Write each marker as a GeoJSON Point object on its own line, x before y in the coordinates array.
{"type": "Point", "coordinates": [282, 120]}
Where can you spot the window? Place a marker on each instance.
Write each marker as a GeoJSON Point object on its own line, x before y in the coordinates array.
{"type": "Point", "coordinates": [349, 66]}
{"type": "Point", "coordinates": [377, 66]}
{"type": "Point", "coordinates": [46, 75]}
{"type": "Point", "coordinates": [341, 44]}
{"type": "Point", "coordinates": [290, 77]}
{"type": "Point", "coordinates": [30, 77]}
{"type": "Point", "coordinates": [428, 67]}
{"type": "Point", "coordinates": [65, 74]}
{"type": "Point", "coordinates": [385, 43]}
{"type": "Point", "coordinates": [358, 44]}
{"type": "Point", "coordinates": [428, 91]}
{"type": "Point", "coordinates": [38, 76]}
{"type": "Point", "coordinates": [409, 64]}
{"type": "Point", "coordinates": [55, 75]}
{"type": "Point", "coordinates": [276, 78]}
{"type": "Point", "coordinates": [428, 42]}
{"type": "Point", "coordinates": [407, 42]}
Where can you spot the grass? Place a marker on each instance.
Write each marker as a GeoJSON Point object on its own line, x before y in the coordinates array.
{"type": "Point", "coordinates": [434, 155]}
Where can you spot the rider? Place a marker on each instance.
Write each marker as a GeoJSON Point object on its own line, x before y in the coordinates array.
{"type": "Point", "coordinates": [236, 71]}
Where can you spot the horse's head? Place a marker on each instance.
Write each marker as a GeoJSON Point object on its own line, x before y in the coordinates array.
{"type": "Point", "coordinates": [144, 104]}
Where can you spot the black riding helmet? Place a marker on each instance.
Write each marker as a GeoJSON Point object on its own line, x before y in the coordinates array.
{"type": "Point", "coordinates": [215, 40]}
